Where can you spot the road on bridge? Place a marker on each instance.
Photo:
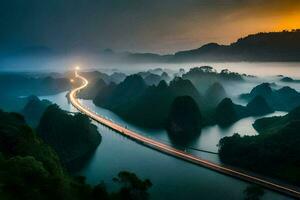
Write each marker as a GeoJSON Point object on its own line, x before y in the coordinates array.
{"type": "Point", "coordinates": [173, 151]}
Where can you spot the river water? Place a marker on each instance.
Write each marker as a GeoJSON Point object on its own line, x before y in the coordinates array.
{"type": "Point", "coordinates": [172, 178]}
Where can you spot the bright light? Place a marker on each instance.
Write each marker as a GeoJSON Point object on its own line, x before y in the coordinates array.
{"type": "Point", "coordinates": [71, 80]}
{"type": "Point", "coordinates": [77, 67]}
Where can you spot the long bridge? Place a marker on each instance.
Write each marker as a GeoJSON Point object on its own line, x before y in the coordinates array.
{"type": "Point", "coordinates": [167, 149]}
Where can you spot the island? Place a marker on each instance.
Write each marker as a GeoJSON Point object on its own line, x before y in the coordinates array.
{"type": "Point", "coordinates": [72, 136]}
{"type": "Point", "coordinates": [32, 168]}
{"type": "Point", "coordinates": [274, 152]}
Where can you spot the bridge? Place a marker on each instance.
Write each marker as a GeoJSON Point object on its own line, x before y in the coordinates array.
{"type": "Point", "coordinates": [167, 149]}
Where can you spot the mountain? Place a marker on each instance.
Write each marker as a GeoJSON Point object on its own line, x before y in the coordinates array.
{"type": "Point", "coordinates": [93, 76]}
{"type": "Point", "coordinates": [22, 84]}
{"type": "Point", "coordinates": [205, 76]}
{"type": "Point", "coordinates": [227, 112]}
{"type": "Point", "coordinates": [152, 79]}
{"type": "Point", "coordinates": [154, 76]}
{"type": "Point", "coordinates": [132, 96]}
{"type": "Point", "coordinates": [263, 90]}
{"type": "Point", "coordinates": [207, 51]}
{"type": "Point", "coordinates": [117, 96]}
{"type": "Point", "coordinates": [117, 77]}
{"type": "Point", "coordinates": [97, 82]}
{"type": "Point", "coordinates": [92, 89]}
{"type": "Point", "coordinates": [34, 110]}
{"type": "Point", "coordinates": [31, 169]}
{"type": "Point", "coordinates": [165, 76]}
{"type": "Point", "coordinates": [258, 106]}
{"type": "Point", "coordinates": [182, 87]}
{"type": "Point", "coordinates": [289, 80]}
{"type": "Point", "coordinates": [274, 152]}
{"type": "Point", "coordinates": [150, 108]}
{"type": "Point", "coordinates": [72, 136]}
{"type": "Point", "coordinates": [23, 154]}
{"type": "Point", "coordinates": [273, 124]}
{"type": "Point", "coordinates": [283, 99]}
{"type": "Point", "coordinates": [215, 93]}
{"type": "Point", "coordinates": [184, 119]}
{"type": "Point", "coordinates": [264, 46]}
{"type": "Point", "coordinates": [272, 46]}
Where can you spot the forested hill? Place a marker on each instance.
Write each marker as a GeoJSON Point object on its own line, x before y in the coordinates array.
{"type": "Point", "coordinates": [272, 46]}
{"type": "Point", "coordinates": [31, 169]}
{"type": "Point", "coordinates": [261, 47]}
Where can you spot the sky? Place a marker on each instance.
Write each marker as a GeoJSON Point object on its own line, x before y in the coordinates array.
{"type": "Point", "coordinates": [159, 26]}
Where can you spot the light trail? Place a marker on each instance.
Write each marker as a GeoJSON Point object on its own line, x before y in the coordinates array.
{"type": "Point", "coordinates": [173, 151]}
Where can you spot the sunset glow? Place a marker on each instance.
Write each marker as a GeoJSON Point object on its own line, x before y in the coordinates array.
{"type": "Point", "coordinates": [289, 22]}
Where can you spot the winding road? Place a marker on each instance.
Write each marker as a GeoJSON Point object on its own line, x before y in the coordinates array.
{"type": "Point", "coordinates": [173, 151]}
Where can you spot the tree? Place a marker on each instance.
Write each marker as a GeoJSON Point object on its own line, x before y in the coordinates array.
{"type": "Point", "coordinates": [253, 192]}
{"type": "Point", "coordinates": [132, 188]}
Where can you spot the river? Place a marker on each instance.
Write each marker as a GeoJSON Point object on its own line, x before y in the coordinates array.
{"type": "Point", "coordinates": [172, 178]}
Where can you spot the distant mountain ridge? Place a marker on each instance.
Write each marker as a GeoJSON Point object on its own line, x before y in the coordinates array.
{"type": "Point", "coordinates": [283, 99]}
{"type": "Point", "coordinates": [265, 47]}
{"type": "Point", "coordinates": [272, 46]}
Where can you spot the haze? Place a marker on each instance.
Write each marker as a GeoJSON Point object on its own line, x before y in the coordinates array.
{"type": "Point", "coordinates": [138, 26]}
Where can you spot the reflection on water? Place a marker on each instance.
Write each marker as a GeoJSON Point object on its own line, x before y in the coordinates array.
{"type": "Point", "coordinates": [207, 140]}
{"type": "Point", "coordinates": [172, 178]}
{"type": "Point", "coordinates": [211, 135]}
{"type": "Point", "coordinates": [181, 141]}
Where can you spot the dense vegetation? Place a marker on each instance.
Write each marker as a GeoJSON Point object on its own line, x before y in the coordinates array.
{"type": "Point", "coordinates": [205, 76]}
{"type": "Point", "coordinates": [215, 93]}
{"type": "Point", "coordinates": [253, 192]}
{"type": "Point", "coordinates": [153, 77]}
{"type": "Point", "coordinates": [284, 99]}
{"type": "Point", "coordinates": [98, 80]}
{"type": "Point", "coordinates": [20, 84]}
{"type": "Point", "coordinates": [142, 104]}
{"type": "Point", "coordinates": [149, 106]}
{"type": "Point", "coordinates": [30, 169]}
{"type": "Point", "coordinates": [269, 46]}
{"type": "Point", "coordinates": [290, 80]}
{"type": "Point", "coordinates": [92, 89]}
{"type": "Point", "coordinates": [227, 112]}
{"type": "Point", "coordinates": [184, 120]}
{"type": "Point", "coordinates": [273, 124]}
{"type": "Point", "coordinates": [258, 106]}
{"type": "Point", "coordinates": [274, 152]}
{"type": "Point", "coordinates": [14, 86]}
{"type": "Point", "coordinates": [71, 136]}
{"type": "Point", "coordinates": [273, 46]}
{"type": "Point", "coordinates": [34, 109]}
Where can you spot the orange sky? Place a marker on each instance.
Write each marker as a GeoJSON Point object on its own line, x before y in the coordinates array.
{"type": "Point", "coordinates": [291, 21]}
{"type": "Point", "coordinates": [235, 22]}
{"type": "Point", "coordinates": [140, 25]}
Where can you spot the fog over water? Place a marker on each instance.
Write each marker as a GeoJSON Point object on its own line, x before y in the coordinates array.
{"type": "Point", "coordinates": [265, 71]}
{"type": "Point", "coordinates": [88, 62]}
{"type": "Point", "coordinates": [116, 153]}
